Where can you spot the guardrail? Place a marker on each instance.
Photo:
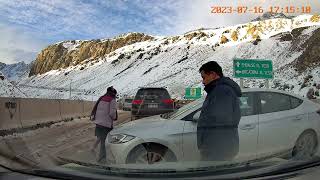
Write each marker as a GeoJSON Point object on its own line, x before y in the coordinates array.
{"type": "Point", "coordinates": [18, 113]}
{"type": "Point", "coordinates": [52, 88]}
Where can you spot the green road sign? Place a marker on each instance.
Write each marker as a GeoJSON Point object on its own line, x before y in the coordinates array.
{"type": "Point", "coordinates": [193, 93]}
{"type": "Point", "coordinates": [252, 68]}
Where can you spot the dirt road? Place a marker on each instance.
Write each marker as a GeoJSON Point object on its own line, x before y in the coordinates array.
{"type": "Point", "coordinates": [42, 146]}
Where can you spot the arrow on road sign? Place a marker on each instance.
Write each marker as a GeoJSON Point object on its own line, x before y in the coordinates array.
{"type": "Point", "coordinates": [253, 68]}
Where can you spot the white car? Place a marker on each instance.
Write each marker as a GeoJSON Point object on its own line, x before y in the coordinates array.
{"type": "Point", "coordinates": [272, 121]}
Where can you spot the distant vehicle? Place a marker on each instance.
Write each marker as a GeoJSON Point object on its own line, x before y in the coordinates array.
{"type": "Point", "coordinates": [151, 101]}
{"type": "Point", "coordinates": [127, 104]}
{"type": "Point", "coordinates": [294, 122]}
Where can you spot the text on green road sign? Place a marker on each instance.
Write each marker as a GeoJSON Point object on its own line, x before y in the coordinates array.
{"type": "Point", "coordinates": [193, 93]}
{"type": "Point", "coordinates": [250, 68]}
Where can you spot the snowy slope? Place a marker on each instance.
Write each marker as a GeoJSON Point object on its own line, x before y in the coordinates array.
{"type": "Point", "coordinates": [7, 89]}
{"type": "Point", "coordinates": [173, 62]}
{"type": "Point", "coordinates": [15, 71]}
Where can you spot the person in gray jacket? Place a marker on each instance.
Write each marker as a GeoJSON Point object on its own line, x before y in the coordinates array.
{"type": "Point", "coordinates": [217, 128]}
{"type": "Point", "coordinates": [104, 113]}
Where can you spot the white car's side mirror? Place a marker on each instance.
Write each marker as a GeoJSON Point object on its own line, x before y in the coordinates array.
{"type": "Point", "coordinates": [196, 116]}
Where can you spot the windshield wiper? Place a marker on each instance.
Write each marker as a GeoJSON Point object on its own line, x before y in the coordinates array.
{"type": "Point", "coordinates": [166, 115]}
{"type": "Point", "coordinates": [289, 167]}
{"type": "Point", "coordinates": [254, 170]}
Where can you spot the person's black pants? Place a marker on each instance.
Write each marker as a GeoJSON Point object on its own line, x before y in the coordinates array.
{"type": "Point", "coordinates": [218, 144]}
{"type": "Point", "coordinates": [102, 153]}
{"type": "Point", "coordinates": [101, 132]}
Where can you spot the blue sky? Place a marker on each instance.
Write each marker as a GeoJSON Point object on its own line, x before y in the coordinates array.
{"type": "Point", "coordinates": [27, 26]}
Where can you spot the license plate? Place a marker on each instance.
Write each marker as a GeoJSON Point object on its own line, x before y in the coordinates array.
{"type": "Point", "coordinates": [152, 105]}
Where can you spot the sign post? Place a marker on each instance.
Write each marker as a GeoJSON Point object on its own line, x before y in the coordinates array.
{"type": "Point", "coordinates": [241, 82]}
{"type": "Point", "coordinates": [267, 83]}
{"type": "Point", "coordinates": [253, 68]}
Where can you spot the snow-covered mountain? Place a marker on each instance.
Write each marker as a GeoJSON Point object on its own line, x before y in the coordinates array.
{"type": "Point", "coordinates": [173, 62]}
{"type": "Point", "coordinates": [15, 71]}
{"type": "Point", "coordinates": [2, 65]}
{"type": "Point", "coordinates": [8, 89]}
{"type": "Point", "coordinates": [270, 15]}
{"type": "Point", "coordinates": [71, 53]}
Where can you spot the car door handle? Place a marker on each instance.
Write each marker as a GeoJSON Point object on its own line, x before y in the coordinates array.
{"type": "Point", "coordinates": [248, 127]}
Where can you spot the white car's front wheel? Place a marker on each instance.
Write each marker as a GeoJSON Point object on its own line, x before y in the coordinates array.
{"type": "Point", "coordinates": [306, 145]}
{"type": "Point", "coordinates": [150, 155]}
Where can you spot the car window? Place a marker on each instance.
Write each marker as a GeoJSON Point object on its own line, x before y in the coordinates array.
{"type": "Point", "coordinates": [187, 109]}
{"type": "Point", "coordinates": [193, 114]}
{"type": "Point", "coordinates": [247, 104]}
{"type": "Point", "coordinates": [274, 102]}
{"type": "Point", "coordinates": [295, 102]}
{"type": "Point", "coordinates": [246, 107]}
{"type": "Point", "coordinates": [197, 114]}
{"type": "Point", "coordinates": [152, 94]}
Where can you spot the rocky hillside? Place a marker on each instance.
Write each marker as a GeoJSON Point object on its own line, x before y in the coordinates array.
{"type": "Point", "coordinates": [291, 44]}
{"type": "Point", "coordinates": [310, 58]}
{"type": "Point", "coordinates": [70, 53]}
{"type": "Point", "coordinates": [270, 15]}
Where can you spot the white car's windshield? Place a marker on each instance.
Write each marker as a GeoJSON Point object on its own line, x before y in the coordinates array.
{"type": "Point", "coordinates": [185, 108]}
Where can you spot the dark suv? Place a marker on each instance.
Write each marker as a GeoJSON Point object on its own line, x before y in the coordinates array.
{"type": "Point", "coordinates": [151, 101]}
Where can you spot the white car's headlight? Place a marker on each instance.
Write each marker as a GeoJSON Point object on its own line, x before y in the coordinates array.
{"type": "Point", "coordinates": [119, 138]}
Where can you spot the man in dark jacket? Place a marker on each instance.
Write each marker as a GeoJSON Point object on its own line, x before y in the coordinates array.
{"type": "Point", "coordinates": [217, 128]}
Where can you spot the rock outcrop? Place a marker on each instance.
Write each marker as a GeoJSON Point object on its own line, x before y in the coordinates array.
{"type": "Point", "coordinates": [69, 53]}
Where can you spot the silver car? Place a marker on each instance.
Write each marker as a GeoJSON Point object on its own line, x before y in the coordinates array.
{"type": "Point", "coordinates": [127, 104]}
{"type": "Point", "coordinates": [272, 121]}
